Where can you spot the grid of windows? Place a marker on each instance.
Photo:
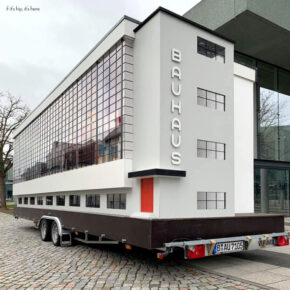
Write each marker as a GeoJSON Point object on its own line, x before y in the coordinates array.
{"type": "Point", "coordinates": [211, 200]}
{"type": "Point", "coordinates": [116, 201]}
{"type": "Point", "coordinates": [84, 125]}
{"type": "Point", "coordinates": [49, 200]}
{"type": "Point", "coordinates": [211, 150]}
{"type": "Point", "coordinates": [74, 200]}
{"type": "Point", "coordinates": [32, 200]}
{"type": "Point", "coordinates": [40, 200]}
{"type": "Point", "coordinates": [210, 99]}
{"type": "Point", "coordinates": [60, 200]}
{"type": "Point", "coordinates": [93, 200]}
{"type": "Point", "coordinates": [210, 49]}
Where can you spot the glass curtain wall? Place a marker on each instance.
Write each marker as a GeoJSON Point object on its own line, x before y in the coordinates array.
{"type": "Point", "coordinates": [272, 191]}
{"type": "Point", "coordinates": [273, 109]}
{"type": "Point", "coordinates": [83, 126]}
{"type": "Point", "coordinates": [271, 188]}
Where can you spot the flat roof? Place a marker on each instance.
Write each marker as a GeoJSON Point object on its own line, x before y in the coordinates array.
{"type": "Point", "coordinates": [40, 107]}
{"type": "Point", "coordinates": [186, 20]}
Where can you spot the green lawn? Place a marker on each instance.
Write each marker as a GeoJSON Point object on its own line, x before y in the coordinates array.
{"type": "Point", "coordinates": [10, 207]}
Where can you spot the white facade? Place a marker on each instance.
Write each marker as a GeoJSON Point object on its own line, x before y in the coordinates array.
{"type": "Point", "coordinates": [163, 125]}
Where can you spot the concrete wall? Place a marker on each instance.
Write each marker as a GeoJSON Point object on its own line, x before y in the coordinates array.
{"type": "Point", "coordinates": [213, 13]}
{"type": "Point", "coordinates": [244, 138]}
{"type": "Point", "coordinates": [152, 116]}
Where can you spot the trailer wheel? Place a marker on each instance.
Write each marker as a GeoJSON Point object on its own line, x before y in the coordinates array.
{"type": "Point", "coordinates": [55, 237]}
{"type": "Point", "coordinates": [45, 230]}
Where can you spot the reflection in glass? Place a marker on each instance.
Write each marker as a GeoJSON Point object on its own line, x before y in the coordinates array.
{"type": "Point", "coordinates": [271, 191]}
{"type": "Point", "coordinates": [82, 127]}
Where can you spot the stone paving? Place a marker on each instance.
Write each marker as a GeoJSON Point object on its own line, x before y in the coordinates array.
{"type": "Point", "coordinates": [28, 263]}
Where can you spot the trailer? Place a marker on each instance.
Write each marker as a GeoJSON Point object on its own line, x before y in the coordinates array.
{"type": "Point", "coordinates": [146, 143]}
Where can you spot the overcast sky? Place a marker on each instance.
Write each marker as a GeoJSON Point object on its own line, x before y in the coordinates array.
{"type": "Point", "coordinates": [39, 48]}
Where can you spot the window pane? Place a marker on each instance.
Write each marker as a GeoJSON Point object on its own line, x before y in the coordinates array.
{"type": "Point", "coordinates": [211, 96]}
{"type": "Point", "coordinates": [201, 204]}
{"type": "Point", "coordinates": [220, 196]}
{"type": "Point", "coordinates": [201, 101]}
{"type": "Point", "coordinates": [201, 144]}
{"type": "Point", "coordinates": [211, 145]}
{"type": "Point", "coordinates": [211, 196]}
{"type": "Point", "coordinates": [201, 153]}
{"type": "Point", "coordinates": [201, 195]}
{"type": "Point", "coordinates": [211, 154]}
{"type": "Point", "coordinates": [220, 205]}
{"type": "Point", "coordinates": [211, 104]}
{"type": "Point", "coordinates": [211, 204]}
{"type": "Point", "coordinates": [220, 107]}
{"type": "Point", "coordinates": [220, 155]}
{"type": "Point", "coordinates": [201, 93]}
{"type": "Point", "coordinates": [220, 98]}
{"type": "Point", "coordinates": [220, 147]}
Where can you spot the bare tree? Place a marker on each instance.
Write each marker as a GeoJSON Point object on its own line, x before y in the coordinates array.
{"type": "Point", "coordinates": [12, 113]}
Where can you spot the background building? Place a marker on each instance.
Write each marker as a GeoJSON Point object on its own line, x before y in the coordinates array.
{"type": "Point", "coordinates": [261, 31]}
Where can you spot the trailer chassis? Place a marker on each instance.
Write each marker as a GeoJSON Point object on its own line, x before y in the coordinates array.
{"type": "Point", "coordinates": [211, 247]}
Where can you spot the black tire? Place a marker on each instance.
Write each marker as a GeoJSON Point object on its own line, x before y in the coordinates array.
{"type": "Point", "coordinates": [45, 230]}
{"type": "Point", "coordinates": [55, 237]}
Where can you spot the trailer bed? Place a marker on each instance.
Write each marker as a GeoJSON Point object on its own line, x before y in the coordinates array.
{"type": "Point", "coordinates": [154, 233]}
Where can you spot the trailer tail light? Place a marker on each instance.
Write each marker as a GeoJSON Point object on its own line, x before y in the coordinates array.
{"type": "Point", "coordinates": [283, 241]}
{"type": "Point", "coordinates": [160, 256]}
{"type": "Point", "coordinates": [196, 252]}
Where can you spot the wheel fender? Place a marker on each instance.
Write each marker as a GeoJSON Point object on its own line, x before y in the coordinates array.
{"type": "Point", "coordinates": [53, 218]}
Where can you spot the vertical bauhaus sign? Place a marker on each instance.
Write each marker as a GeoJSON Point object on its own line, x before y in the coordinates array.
{"type": "Point", "coordinates": [176, 91]}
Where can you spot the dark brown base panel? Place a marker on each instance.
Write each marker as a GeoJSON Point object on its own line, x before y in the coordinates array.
{"type": "Point", "coordinates": [151, 234]}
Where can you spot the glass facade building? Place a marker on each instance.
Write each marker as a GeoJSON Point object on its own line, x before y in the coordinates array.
{"type": "Point", "coordinates": [272, 140]}
{"type": "Point", "coordinates": [85, 125]}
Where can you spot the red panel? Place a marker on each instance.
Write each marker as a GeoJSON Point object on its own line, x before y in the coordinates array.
{"type": "Point", "coordinates": [147, 185]}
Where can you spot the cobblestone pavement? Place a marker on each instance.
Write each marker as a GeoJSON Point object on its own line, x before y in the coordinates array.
{"type": "Point", "coordinates": [28, 263]}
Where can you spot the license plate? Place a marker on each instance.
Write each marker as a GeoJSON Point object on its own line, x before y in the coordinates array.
{"type": "Point", "coordinates": [228, 247]}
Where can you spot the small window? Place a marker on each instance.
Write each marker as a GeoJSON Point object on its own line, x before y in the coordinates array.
{"type": "Point", "coordinates": [93, 200]}
{"type": "Point", "coordinates": [211, 200]}
{"type": "Point", "coordinates": [210, 99]}
{"type": "Point", "coordinates": [32, 200]}
{"type": "Point", "coordinates": [60, 200]}
{"type": "Point", "coordinates": [74, 200]}
{"type": "Point", "coordinates": [40, 200]}
{"type": "Point", "coordinates": [19, 200]}
{"type": "Point", "coordinates": [211, 150]}
{"type": "Point", "coordinates": [116, 201]}
{"type": "Point", "coordinates": [25, 200]}
{"type": "Point", "coordinates": [49, 200]}
{"type": "Point", "coordinates": [210, 49]}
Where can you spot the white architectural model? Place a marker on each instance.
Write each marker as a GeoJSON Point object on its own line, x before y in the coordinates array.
{"type": "Point", "coordinates": [148, 139]}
